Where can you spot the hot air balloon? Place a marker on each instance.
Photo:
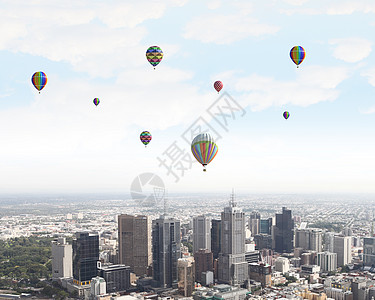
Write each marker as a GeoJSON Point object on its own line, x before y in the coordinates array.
{"type": "Point", "coordinates": [218, 85]}
{"type": "Point", "coordinates": [154, 55]}
{"type": "Point", "coordinates": [204, 149]}
{"type": "Point", "coordinates": [39, 80]}
{"type": "Point", "coordinates": [297, 54]}
{"type": "Point", "coordinates": [286, 114]}
{"type": "Point", "coordinates": [96, 101]}
{"type": "Point", "coordinates": [145, 137]}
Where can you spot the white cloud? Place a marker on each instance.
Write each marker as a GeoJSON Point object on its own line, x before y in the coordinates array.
{"type": "Point", "coordinates": [333, 7]}
{"type": "Point", "coordinates": [351, 49]}
{"type": "Point", "coordinates": [313, 84]}
{"type": "Point", "coordinates": [225, 29]}
{"type": "Point", "coordinates": [213, 4]}
{"type": "Point", "coordinates": [92, 36]}
{"type": "Point", "coordinates": [370, 74]}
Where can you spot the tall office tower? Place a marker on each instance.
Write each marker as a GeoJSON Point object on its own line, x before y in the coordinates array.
{"type": "Point", "coordinates": [309, 239]}
{"type": "Point", "coordinates": [265, 226]}
{"type": "Point", "coordinates": [232, 266]}
{"type": "Point", "coordinates": [201, 233]}
{"type": "Point", "coordinates": [215, 238]}
{"type": "Point", "coordinates": [134, 239]}
{"type": "Point", "coordinates": [62, 259]}
{"type": "Point", "coordinates": [284, 231]}
{"type": "Point", "coordinates": [186, 276]}
{"type": "Point", "coordinates": [117, 277]}
{"type": "Point", "coordinates": [342, 246]}
{"type": "Point", "coordinates": [263, 241]}
{"type": "Point", "coordinates": [327, 261]}
{"type": "Point", "coordinates": [282, 264]}
{"type": "Point", "coordinates": [254, 223]}
{"type": "Point", "coordinates": [203, 263]}
{"type": "Point", "coordinates": [369, 251]}
{"type": "Point", "coordinates": [328, 241]}
{"type": "Point", "coordinates": [316, 238]}
{"type": "Point", "coordinates": [166, 250]}
{"type": "Point", "coordinates": [85, 257]}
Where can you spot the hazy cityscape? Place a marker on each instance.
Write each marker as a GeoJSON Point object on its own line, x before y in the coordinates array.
{"type": "Point", "coordinates": [280, 246]}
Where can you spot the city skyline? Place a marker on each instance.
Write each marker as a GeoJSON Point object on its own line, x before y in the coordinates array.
{"type": "Point", "coordinates": [59, 141]}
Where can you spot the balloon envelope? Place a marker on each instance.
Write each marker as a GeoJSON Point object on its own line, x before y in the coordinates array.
{"type": "Point", "coordinates": [297, 54]}
{"type": "Point", "coordinates": [286, 114]}
{"type": "Point", "coordinates": [39, 80]}
{"type": "Point", "coordinates": [145, 137]}
{"type": "Point", "coordinates": [96, 101]}
{"type": "Point", "coordinates": [154, 55]}
{"type": "Point", "coordinates": [218, 85]}
{"type": "Point", "coordinates": [204, 148]}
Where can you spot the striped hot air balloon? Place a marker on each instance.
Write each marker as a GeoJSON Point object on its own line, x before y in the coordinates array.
{"type": "Point", "coordinates": [39, 80]}
{"type": "Point", "coordinates": [96, 101]}
{"type": "Point", "coordinates": [154, 55]}
{"type": "Point", "coordinates": [145, 137]}
{"type": "Point", "coordinates": [297, 54]}
{"type": "Point", "coordinates": [286, 115]}
{"type": "Point", "coordinates": [204, 149]}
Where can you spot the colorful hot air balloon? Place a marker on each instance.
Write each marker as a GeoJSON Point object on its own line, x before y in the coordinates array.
{"type": "Point", "coordinates": [204, 149]}
{"type": "Point", "coordinates": [154, 55]}
{"type": "Point", "coordinates": [297, 54]}
{"type": "Point", "coordinates": [39, 80]}
{"type": "Point", "coordinates": [286, 114]}
{"type": "Point", "coordinates": [218, 85]}
{"type": "Point", "coordinates": [145, 137]}
{"type": "Point", "coordinates": [96, 101]}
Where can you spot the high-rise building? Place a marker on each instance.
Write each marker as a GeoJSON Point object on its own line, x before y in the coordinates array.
{"type": "Point", "coordinates": [117, 277]}
{"type": "Point", "coordinates": [309, 239]}
{"type": "Point", "coordinates": [98, 287]}
{"type": "Point", "coordinates": [282, 265]}
{"type": "Point", "coordinates": [134, 238]}
{"type": "Point", "coordinates": [216, 238]}
{"type": "Point", "coordinates": [232, 266]}
{"type": "Point", "coordinates": [201, 233]}
{"type": "Point", "coordinates": [263, 241]}
{"type": "Point", "coordinates": [369, 251]}
{"type": "Point", "coordinates": [328, 241]}
{"type": "Point", "coordinates": [186, 276]}
{"type": "Point", "coordinates": [166, 250]}
{"type": "Point", "coordinates": [203, 263]}
{"type": "Point", "coordinates": [327, 261]}
{"type": "Point", "coordinates": [85, 257]}
{"type": "Point", "coordinates": [284, 231]}
{"type": "Point", "coordinates": [260, 272]}
{"type": "Point", "coordinates": [254, 223]}
{"type": "Point", "coordinates": [342, 246]}
{"type": "Point", "coordinates": [62, 259]}
{"type": "Point", "coordinates": [265, 226]}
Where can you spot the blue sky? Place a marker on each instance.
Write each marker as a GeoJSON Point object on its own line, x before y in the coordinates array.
{"type": "Point", "coordinates": [58, 141]}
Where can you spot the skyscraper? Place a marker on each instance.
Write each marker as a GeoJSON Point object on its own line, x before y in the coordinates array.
{"type": "Point", "coordinates": [166, 250]}
{"type": "Point", "coordinates": [201, 233]}
{"type": "Point", "coordinates": [85, 257]}
{"type": "Point", "coordinates": [284, 231]}
{"type": "Point", "coordinates": [309, 239]}
{"type": "Point", "coordinates": [203, 263]}
{"type": "Point", "coordinates": [254, 223]}
{"type": "Point", "coordinates": [342, 246]}
{"type": "Point", "coordinates": [62, 261]}
{"type": "Point", "coordinates": [216, 238]}
{"type": "Point", "coordinates": [265, 226]}
{"type": "Point", "coordinates": [327, 261]}
{"type": "Point", "coordinates": [134, 238]}
{"type": "Point", "coordinates": [117, 277]}
{"type": "Point", "coordinates": [186, 276]}
{"type": "Point", "coordinates": [369, 251]}
{"type": "Point", "coordinates": [232, 266]}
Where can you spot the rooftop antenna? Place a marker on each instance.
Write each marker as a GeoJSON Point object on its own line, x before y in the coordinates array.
{"type": "Point", "coordinates": [165, 203]}
{"type": "Point", "coordinates": [231, 202]}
